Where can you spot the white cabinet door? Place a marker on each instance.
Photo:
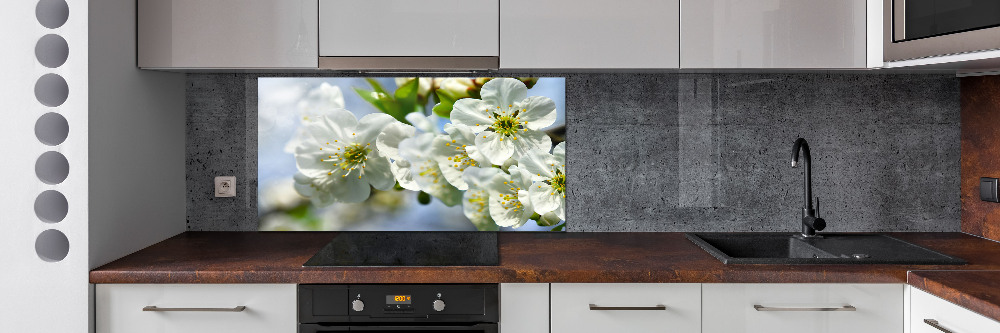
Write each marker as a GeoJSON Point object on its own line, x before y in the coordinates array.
{"type": "Point", "coordinates": [774, 34]}
{"type": "Point", "coordinates": [227, 34]}
{"type": "Point", "coordinates": [524, 308]}
{"type": "Point", "coordinates": [589, 34]}
{"type": "Point", "coordinates": [794, 308]}
{"type": "Point", "coordinates": [626, 307]}
{"type": "Point", "coordinates": [407, 28]}
{"type": "Point", "coordinates": [269, 308]}
{"type": "Point", "coordinates": [951, 317]}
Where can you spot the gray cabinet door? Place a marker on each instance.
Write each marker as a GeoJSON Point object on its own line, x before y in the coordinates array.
{"type": "Point", "coordinates": [239, 34]}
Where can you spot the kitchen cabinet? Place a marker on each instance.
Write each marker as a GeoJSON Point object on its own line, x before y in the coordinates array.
{"type": "Point", "coordinates": [780, 34]}
{"type": "Point", "coordinates": [220, 34]}
{"type": "Point", "coordinates": [802, 308]}
{"type": "Point", "coordinates": [930, 314]}
{"type": "Point", "coordinates": [384, 34]}
{"type": "Point", "coordinates": [626, 307]}
{"type": "Point", "coordinates": [524, 308]}
{"type": "Point", "coordinates": [576, 34]}
{"type": "Point", "coordinates": [196, 308]}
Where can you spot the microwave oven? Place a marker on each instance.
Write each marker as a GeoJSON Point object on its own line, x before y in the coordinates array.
{"type": "Point", "coordinates": [915, 29]}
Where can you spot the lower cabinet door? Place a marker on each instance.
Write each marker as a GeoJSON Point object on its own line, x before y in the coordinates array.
{"type": "Point", "coordinates": [524, 308]}
{"type": "Point", "coordinates": [626, 308]}
{"type": "Point", "coordinates": [802, 308]}
{"type": "Point", "coordinates": [930, 314]}
{"type": "Point", "coordinates": [196, 308]}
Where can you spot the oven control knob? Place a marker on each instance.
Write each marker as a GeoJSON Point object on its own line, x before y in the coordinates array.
{"type": "Point", "coordinates": [438, 305]}
{"type": "Point", "coordinates": [358, 305]}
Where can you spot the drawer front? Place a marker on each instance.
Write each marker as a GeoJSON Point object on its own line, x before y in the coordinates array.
{"type": "Point", "coordinates": [269, 308]}
{"type": "Point", "coordinates": [572, 311]}
{"type": "Point", "coordinates": [949, 316]}
{"type": "Point", "coordinates": [730, 308]}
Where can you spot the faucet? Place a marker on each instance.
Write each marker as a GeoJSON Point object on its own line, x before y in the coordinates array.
{"type": "Point", "coordinates": [810, 221]}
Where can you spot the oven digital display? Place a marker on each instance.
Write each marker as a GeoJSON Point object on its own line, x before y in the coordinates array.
{"type": "Point", "coordinates": [397, 299]}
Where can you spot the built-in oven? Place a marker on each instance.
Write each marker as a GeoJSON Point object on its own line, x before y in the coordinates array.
{"type": "Point", "coordinates": [466, 308]}
{"type": "Point", "coordinates": [927, 28]}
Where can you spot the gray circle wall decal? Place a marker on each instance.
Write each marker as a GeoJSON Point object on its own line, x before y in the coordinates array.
{"type": "Point", "coordinates": [52, 168]}
{"type": "Point", "coordinates": [52, 245]}
{"type": "Point", "coordinates": [51, 90]}
{"type": "Point", "coordinates": [51, 51]}
{"type": "Point", "coordinates": [52, 13]}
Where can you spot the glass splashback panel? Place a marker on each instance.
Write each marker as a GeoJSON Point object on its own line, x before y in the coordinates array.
{"type": "Point", "coordinates": [405, 154]}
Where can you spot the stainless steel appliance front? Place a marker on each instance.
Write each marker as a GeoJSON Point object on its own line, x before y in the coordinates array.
{"type": "Point", "coordinates": [915, 29]}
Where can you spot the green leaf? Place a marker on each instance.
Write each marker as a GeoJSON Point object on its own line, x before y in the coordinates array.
{"type": "Point", "coordinates": [375, 85]}
{"type": "Point", "coordinates": [559, 227]}
{"type": "Point", "coordinates": [382, 102]}
{"type": "Point", "coordinates": [406, 96]}
{"type": "Point", "coordinates": [443, 109]}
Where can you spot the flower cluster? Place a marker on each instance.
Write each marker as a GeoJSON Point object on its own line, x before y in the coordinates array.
{"type": "Point", "coordinates": [492, 158]}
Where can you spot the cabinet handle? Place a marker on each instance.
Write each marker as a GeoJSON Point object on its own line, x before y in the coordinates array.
{"type": "Point", "coordinates": [233, 309]}
{"type": "Point", "coordinates": [759, 307]}
{"type": "Point", "coordinates": [935, 324]}
{"type": "Point", "coordinates": [630, 308]}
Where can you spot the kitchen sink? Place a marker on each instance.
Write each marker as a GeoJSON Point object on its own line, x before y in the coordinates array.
{"type": "Point", "coordinates": [789, 248]}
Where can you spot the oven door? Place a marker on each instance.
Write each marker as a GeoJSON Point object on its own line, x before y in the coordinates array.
{"type": "Point", "coordinates": [473, 328]}
{"type": "Point", "coordinates": [927, 28]}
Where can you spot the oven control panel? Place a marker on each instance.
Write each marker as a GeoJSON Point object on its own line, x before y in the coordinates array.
{"type": "Point", "coordinates": [398, 303]}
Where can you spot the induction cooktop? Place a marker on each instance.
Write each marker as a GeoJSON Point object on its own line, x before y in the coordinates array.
{"type": "Point", "coordinates": [409, 248]}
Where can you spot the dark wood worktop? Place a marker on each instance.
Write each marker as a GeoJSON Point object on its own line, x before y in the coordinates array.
{"type": "Point", "coordinates": [978, 291]}
{"type": "Point", "coordinates": [277, 257]}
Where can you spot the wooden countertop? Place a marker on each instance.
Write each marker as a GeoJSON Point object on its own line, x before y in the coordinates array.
{"type": "Point", "coordinates": [277, 257]}
{"type": "Point", "coordinates": [978, 291]}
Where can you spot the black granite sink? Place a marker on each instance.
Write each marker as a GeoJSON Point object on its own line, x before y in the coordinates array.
{"type": "Point", "coordinates": [787, 249]}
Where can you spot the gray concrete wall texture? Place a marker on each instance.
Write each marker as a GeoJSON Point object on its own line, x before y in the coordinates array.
{"type": "Point", "coordinates": [683, 152]}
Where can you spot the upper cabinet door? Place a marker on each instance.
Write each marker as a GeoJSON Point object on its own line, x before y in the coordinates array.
{"type": "Point", "coordinates": [774, 34]}
{"type": "Point", "coordinates": [227, 34]}
{"type": "Point", "coordinates": [407, 28]}
{"type": "Point", "coordinates": [581, 34]}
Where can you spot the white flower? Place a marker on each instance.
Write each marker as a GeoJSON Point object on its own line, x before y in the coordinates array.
{"type": "Point", "coordinates": [321, 100]}
{"type": "Point", "coordinates": [388, 144]}
{"type": "Point", "coordinates": [427, 124]}
{"type": "Point", "coordinates": [510, 205]}
{"type": "Point", "coordinates": [393, 134]}
{"type": "Point", "coordinates": [548, 173]}
{"type": "Point", "coordinates": [456, 87]}
{"type": "Point", "coordinates": [424, 84]}
{"type": "Point", "coordinates": [425, 171]}
{"type": "Point", "coordinates": [338, 160]}
{"type": "Point", "coordinates": [476, 200]}
{"type": "Point", "coordinates": [318, 102]}
{"type": "Point", "coordinates": [508, 124]}
{"type": "Point", "coordinates": [457, 153]}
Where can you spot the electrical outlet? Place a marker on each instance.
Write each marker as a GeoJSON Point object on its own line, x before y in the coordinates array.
{"type": "Point", "coordinates": [225, 186]}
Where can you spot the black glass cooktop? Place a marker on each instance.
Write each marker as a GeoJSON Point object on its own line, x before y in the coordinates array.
{"type": "Point", "coordinates": [409, 248]}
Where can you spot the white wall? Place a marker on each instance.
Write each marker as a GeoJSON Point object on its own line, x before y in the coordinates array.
{"type": "Point", "coordinates": [36, 295]}
{"type": "Point", "coordinates": [125, 150]}
{"type": "Point", "coordinates": [137, 125]}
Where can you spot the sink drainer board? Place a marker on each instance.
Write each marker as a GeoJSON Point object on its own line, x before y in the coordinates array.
{"type": "Point", "coordinates": [830, 249]}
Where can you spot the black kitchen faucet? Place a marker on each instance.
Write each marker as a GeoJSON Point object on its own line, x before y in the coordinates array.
{"type": "Point", "coordinates": [810, 222]}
